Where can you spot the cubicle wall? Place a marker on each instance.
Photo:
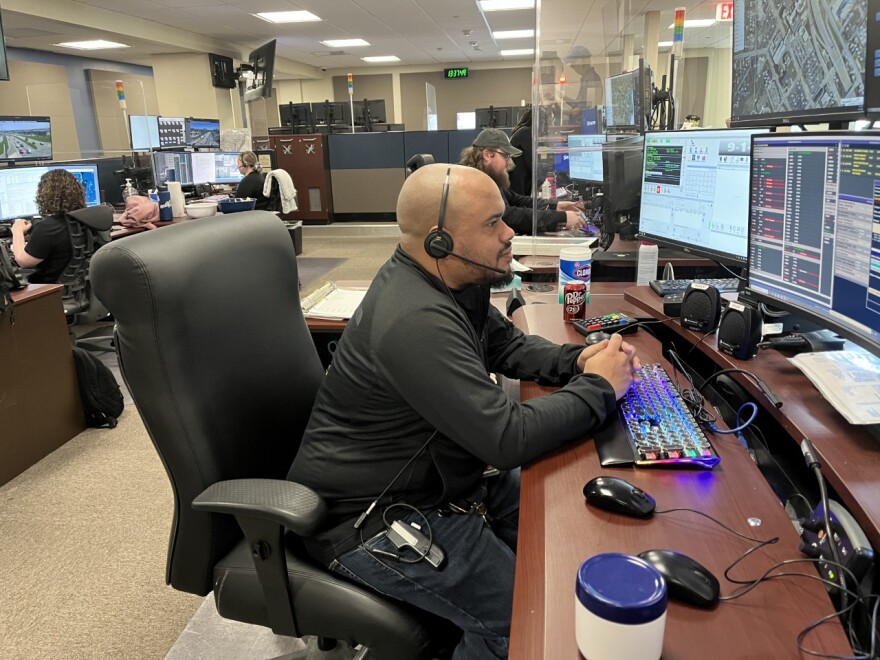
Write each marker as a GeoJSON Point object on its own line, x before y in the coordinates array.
{"type": "Point", "coordinates": [367, 169]}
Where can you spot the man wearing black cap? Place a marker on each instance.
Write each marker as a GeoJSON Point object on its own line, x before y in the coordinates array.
{"type": "Point", "coordinates": [491, 153]}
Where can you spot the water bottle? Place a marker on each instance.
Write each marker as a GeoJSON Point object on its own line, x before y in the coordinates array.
{"type": "Point", "coordinates": [545, 189]}
{"type": "Point", "coordinates": [551, 180]}
{"type": "Point", "coordinates": [648, 257]}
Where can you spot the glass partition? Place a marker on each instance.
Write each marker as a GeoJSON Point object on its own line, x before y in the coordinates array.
{"type": "Point", "coordinates": [602, 76]}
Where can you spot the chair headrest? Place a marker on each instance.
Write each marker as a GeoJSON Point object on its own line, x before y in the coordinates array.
{"type": "Point", "coordinates": [418, 161]}
{"type": "Point", "coordinates": [99, 218]}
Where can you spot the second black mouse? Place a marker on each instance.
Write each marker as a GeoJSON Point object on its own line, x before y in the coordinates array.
{"type": "Point", "coordinates": [596, 337]}
{"type": "Point", "coordinates": [619, 495]}
{"type": "Point", "coordinates": [687, 579]}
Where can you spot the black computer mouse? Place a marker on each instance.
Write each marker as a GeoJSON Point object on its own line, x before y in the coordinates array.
{"type": "Point", "coordinates": [619, 495]}
{"type": "Point", "coordinates": [596, 337]}
{"type": "Point", "coordinates": [687, 580]}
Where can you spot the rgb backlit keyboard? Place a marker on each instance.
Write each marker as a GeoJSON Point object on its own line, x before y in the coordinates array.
{"type": "Point", "coordinates": [657, 425]}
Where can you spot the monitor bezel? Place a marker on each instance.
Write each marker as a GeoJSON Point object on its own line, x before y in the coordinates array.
{"type": "Point", "coordinates": [639, 126]}
{"type": "Point", "coordinates": [33, 118]}
{"type": "Point", "coordinates": [725, 258]}
{"type": "Point", "coordinates": [604, 140]}
{"type": "Point", "coordinates": [187, 129]}
{"type": "Point", "coordinates": [793, 307]}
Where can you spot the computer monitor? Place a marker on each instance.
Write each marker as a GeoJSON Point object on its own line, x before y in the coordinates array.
{"type": "Point", "coordinates": [4, 66]}
{"type": "Point", "coordinates": [622, 161]}
{"type": "Point", "coordinates": [695, 192]}
{"type": "Point", "coordinates": [369, 112]}
{"type": "Point", "coordinates": [226, 167]}
{"type": "Point", "coordinates": [25, 138]}
{"type": "Point", "coordinates": [203, 133]}
{"type": "Point", "coordinates": [493, 117]}
{"type": "Point", "coordinates": [144, 132]}
{"type": "Point", "coordinates": [295, 114]}
{"type": "Point", "coordinates": [172, 166]}
{"type": "Point", "coordinates": [585, 158]}
{"type": "Point", "coordinates": [628, 100]}
{"type": "Point", "coordinates": [813, 239]}
{"type": "Point", "coordinates": [796, 62]}
{"type": "Point", "coordinates": [18, 187]}
{"type": "Point", "coordinates": [332, 112]}
{"type": "Point", "coordinates": [262, 65]}
{"type": "Point", "coordinates": [172, 132]}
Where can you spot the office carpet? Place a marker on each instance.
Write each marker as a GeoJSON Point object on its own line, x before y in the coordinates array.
{"type": "Point", "coordinates": [312, 269]}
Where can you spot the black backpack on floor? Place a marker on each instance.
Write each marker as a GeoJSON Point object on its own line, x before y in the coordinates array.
{"type": "Point", "coordinates": [100, 394]}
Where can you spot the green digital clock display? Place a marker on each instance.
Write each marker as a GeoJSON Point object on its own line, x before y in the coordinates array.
{"type": "Point", "coordinates": [456, 73]}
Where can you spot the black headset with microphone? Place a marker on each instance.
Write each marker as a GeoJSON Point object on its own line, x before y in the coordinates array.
{"type": "Point", "coordinates": [439, 243]}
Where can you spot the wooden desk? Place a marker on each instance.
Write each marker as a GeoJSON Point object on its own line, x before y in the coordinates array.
{"type": "Point", "coordinates": [558, 531]}
{"type": "Point", "coordinates": [40, 408]}
{"type": "Point", "coordinates": [120, 231]}
{"type": "Point", "coordinates": [850, 455]}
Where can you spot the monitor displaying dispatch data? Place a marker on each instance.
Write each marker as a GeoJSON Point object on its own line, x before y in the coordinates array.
{"type": "Point", "coordinates": [172, 131]}
{"type": "Point", "coordinates": [622, 106]}
{"type": "Point", "coordinates": [18, 187]}
{"type": "Point", "coordinates": [585, 157]}
{"type": "Point", "coordinates": [695, 192]}
{"type": "Point", "coordinates": [798, 61]}
{"type": "Point", "coordinates": [814, 243]}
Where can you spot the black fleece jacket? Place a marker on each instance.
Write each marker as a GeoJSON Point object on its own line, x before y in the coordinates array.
{"type": "Point", "coordinates": [518, 213]}
{"type": "Point", "coordinates": [410, 362]}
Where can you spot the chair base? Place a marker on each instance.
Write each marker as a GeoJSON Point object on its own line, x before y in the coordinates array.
{"type": "Point", "coordinates": [342, 651]}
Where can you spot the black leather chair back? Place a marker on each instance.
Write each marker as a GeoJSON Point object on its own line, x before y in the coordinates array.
{"type": "Point", "coordinates": [88, 229]}
{"type": "Point", "coordinates": [215, 350]}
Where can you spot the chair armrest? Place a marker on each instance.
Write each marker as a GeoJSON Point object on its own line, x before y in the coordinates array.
{"type": "Point", "coordinates": [294, 506]}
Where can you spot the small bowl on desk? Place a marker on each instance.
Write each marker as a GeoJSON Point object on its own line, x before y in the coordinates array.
{"type": "Point", "coordinates": [201, 209]}
{"type": "Point", "coordinates": [236, 204]}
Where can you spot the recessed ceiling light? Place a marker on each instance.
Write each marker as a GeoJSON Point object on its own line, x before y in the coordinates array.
{"type": "Point", "coordinates": [381, 58]}
{"type": "Point", "coordinates": [697, 22]}
{"type": "Point", "coordinates": [97, 44]}
{"type": "Point", "coordinates": [664, 44]}
{"type": "Point", "coordinates": [345, 43]}
{"type": "Point", "coordinates": [513, 34]}
{"type": "Point", "coordinates": [517, 51]}
{"type": "Point", "coordinates": [506, 5]}
{"type": "Point", "coordinates": [288, 16]}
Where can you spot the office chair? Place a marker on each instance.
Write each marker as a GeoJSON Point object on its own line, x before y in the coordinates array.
{"type": "Point", "coordinates": [223, 370]}
{"type": "Point", "coordinates": [418, 161]}
{"type": "Point", "coordinates": [89, 229]}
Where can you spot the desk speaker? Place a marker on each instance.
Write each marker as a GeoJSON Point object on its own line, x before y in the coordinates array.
{"type": "Point", "coordinates": [701, 307]}
{"type": "Point", "coordinates": [739, 331]}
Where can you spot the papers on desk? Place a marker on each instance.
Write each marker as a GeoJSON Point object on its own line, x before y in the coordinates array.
{"type": "Point", "coordinates": [332, 302]}
{"type": "Point", "coordinates": [849, 380]}
{"type": "Point", "coordinates": [547, 246]}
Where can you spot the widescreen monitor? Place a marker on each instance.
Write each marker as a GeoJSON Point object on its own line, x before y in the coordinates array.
{"type": "Point", "coordinates": [18, 187]}
{"type": "Point", "coordinates": [493, 117]}
{"type": "Point", "coordinates": [203, 133]}
{"type": "Point", "coordinates": [585, 158]}
{"type": "Point", "coordinates": [695, 192]}
{"type": "Point", "coordinates": [195, 167]}
{"type": "Point", "coordinates": [814, 247]}
{"type": "Point", "coordinates": [144, 132]}
{"type": "Point", "coordinates": [330, 113]}
{"type": "Point", "coordinates": [172, 132]}
{"type": "Point", "coordinates": [628, 100]}
{"type": "Point", "coordinates": [376, 108]}
{"type": "Point", "coordinates": [295, 114]}
{"type": "Point", "coordinates": [25, 138]}
{"type": "Point", "coordinates": [798, 62]}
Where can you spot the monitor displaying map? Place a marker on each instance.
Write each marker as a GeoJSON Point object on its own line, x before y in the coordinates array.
{"type": "Point", "coordinates": [798, 61]}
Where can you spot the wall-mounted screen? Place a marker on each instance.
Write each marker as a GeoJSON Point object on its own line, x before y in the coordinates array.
{"type": "Point", "coordinates": [796, 62]}
{"type": "Point", "coordinates": [262, 62]}
{"type": "Point", "coordinates": [25, 138]}
{"type": "Point", "coordinates": [144, 132]}
{"type": "Point", "coordinates": [4, 65]}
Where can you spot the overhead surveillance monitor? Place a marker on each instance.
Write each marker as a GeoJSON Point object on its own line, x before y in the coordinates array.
{"type": "Point", "coordinates": [262, 63]}
{"type": "Point", "coordinates": [796, 62]}
{"type": "Point", "coordinates": [25, 138]}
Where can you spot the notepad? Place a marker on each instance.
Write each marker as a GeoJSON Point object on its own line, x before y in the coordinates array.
{"type": "Point", "coordinates": [332, 302]}
{"type": "Point", "coordinates": [849, 380]}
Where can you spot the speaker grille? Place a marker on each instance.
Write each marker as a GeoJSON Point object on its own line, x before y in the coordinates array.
{"type": "Point", "coordinates": [733, 328]}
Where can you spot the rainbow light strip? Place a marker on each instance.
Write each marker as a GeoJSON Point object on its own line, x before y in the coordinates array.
{"type": "Point", "coordinates": [350, 83]}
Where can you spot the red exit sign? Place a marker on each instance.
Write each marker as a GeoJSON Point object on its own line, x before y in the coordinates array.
{"type": "Point", "coordinates": [724, 11]}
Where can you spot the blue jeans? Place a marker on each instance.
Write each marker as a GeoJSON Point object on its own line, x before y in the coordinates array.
{"type": "Point", "coordinates": [474, 590]}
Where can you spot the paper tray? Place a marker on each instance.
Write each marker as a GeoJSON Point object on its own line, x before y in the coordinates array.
{"type": "Point", "coordinates": [547, 246]}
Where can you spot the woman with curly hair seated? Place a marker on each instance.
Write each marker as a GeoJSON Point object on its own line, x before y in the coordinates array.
{"type": "Point", "coordinates": [48, 249]}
